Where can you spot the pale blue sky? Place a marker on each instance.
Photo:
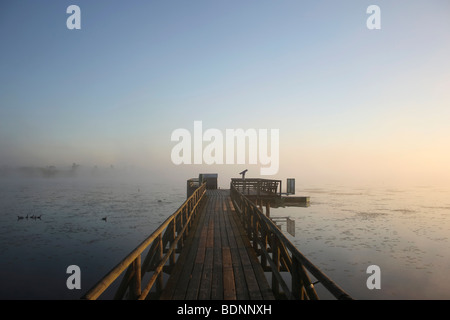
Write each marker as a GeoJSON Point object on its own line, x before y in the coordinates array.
{"type": "Point", "coordinates": [347, 100]}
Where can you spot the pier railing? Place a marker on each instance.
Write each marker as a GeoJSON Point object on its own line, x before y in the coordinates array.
{"type": "Point", "coordinates": [257, 187]}
{"type": "Point", "coordinates": [161, 247]}
{"type": "Point", "coordinates": [279, 256]}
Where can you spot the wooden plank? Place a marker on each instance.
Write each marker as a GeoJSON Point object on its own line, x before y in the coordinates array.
{"type": "Point", "coordinates": [200, 254]}
{"type": "Point", "coordinates": [196, 275]}
{"type": "Point", "coordinates": [210, 233]}
{"type": "Point", "coordinates": [229, 288]}
{"type": "Point", "coordinates": [194, 283]}
{"type": "Point", "coordinates": [206, 277]}
{"type": "Point", "coordinates": [223, 230]}
{"type": "Point", "coordinates": [239, 276]}
{"type": "Point", "coordinates": [202, 265]}
{"type": "Point", "coordinates": [217, 289]}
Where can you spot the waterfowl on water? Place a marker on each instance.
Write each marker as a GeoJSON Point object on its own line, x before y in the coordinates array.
{"type": "Point", "coordinates": [31, 217]}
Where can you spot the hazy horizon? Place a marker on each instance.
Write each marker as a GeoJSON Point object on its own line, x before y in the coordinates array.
{"type": "Point", "coordinates": [353, 105]}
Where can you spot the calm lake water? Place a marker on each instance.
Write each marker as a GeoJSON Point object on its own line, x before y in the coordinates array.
{"type": "Point", "coordinates": [35, 254]}
{"type": "Point", "coordinates": [403, 231]}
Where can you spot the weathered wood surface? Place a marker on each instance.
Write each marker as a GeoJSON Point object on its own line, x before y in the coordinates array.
{"type": "Point", "coordinates": [218, 261]}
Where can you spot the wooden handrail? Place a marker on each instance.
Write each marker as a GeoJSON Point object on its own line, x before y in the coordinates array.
{"type": "Point", "coordinates": [173, 230]}
{"type": "Point", "coordinates": [269, 186]}
{"type": "Point", "coordinates": [279, 254]}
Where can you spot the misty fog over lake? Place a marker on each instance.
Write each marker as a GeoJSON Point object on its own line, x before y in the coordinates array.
{"type": "Point", "coordinates": [343, 231]}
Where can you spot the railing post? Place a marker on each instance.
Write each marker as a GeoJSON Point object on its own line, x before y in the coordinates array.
{"type": "Point", "coordinates": [276, 260]}
{"type": "Point", "coordinates": [124, 283]}
{"type": "Point", "coordinates": [258, 187]}
{"type": "Point", "coordinates": [251, 221]}
{"type": "Point", "coordinates": [255, 235]}
{"type": "Point", "coordinates": [297, 283]}
{"type": "Point", "coordinates": [136, 282]}
{"type": "Point", "coordinates": [302, 283]}
{"type": "Point", "coordinates": [263, 247]}
{"type": "Point", "coordinates": [172, 240]}
{"type": "Point", "coordinates": [181, 242]}
{"type": "Point", "coordinates": [160, 254]}
{"type": "Point", "coordinates": [187, 213]}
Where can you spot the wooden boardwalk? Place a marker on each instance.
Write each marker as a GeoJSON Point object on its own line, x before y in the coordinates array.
{"type": "Point", "coordinates": [217, 245]}
{"type": "Point", "coordinates": [218, 262]}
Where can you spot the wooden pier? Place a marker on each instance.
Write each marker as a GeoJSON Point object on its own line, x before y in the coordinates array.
{"type": "Point", "coordinates": [219, 262]}
{"type": "Point", "coordinates": [218, 245]}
